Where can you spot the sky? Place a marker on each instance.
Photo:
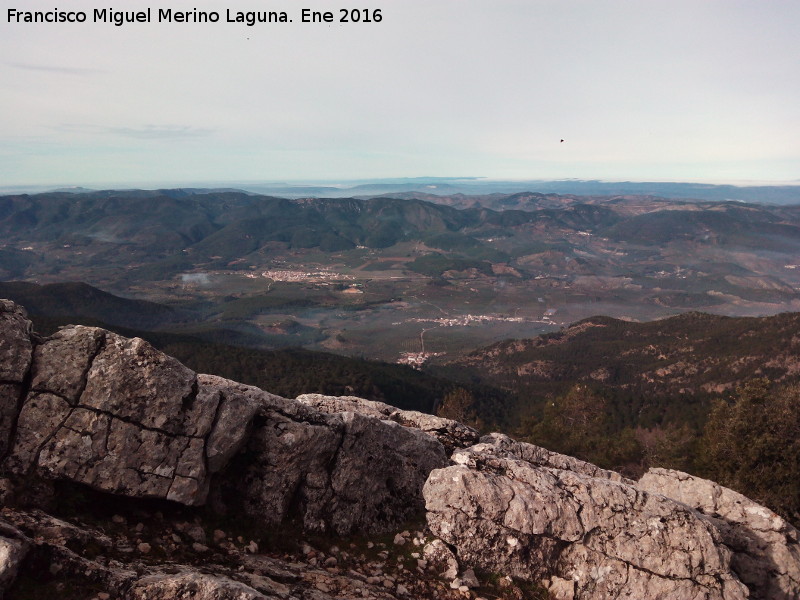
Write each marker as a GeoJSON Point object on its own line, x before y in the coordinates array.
{"type": "Point", "coordinates": [678, 90]}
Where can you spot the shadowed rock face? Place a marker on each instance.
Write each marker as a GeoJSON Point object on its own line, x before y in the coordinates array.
{"type": "Point", "coordinates": [340, 472]}
{"type": "Point", "coordinates": [15, 360]}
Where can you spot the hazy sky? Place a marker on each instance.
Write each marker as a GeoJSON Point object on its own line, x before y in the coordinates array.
{"type": "Point", "coordinates": [677, 90]}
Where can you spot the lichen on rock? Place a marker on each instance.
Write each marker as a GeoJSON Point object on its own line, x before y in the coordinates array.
{"type": "Point", "coordinates": [766, 552]}
{"type": "Point", "coordinates": [535, 521]}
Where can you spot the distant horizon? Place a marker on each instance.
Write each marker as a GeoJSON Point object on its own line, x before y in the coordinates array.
{"type": "Point", "coordinates": [345, 183]}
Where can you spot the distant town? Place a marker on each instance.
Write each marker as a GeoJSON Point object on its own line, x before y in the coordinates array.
{"type": "Point", "coordinates": [283, 275]}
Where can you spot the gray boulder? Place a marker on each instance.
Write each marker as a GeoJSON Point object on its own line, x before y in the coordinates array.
{"type": "Point", "coordinates": [590, 535]}
{"type": "Point", "coordinates": [766, 553]}
{"type": "Point", "coordinates": [118, 415]}
{"type": "Point", "coordinates": [338, 472]}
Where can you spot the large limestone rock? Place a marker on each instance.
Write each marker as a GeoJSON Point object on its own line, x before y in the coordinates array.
{"type": "Point", "coordinates": [588, 532]}
{"type": "Point", "coordinates": [766, 553]}
{"type": "Point", "coordinates": [117, 415]}
{"type": "Point", "coordinates": [341, 472]}
{"type": "Point", "coordinates": [92, 407]}
{"type": "Point", "coordinates": [451, 434]}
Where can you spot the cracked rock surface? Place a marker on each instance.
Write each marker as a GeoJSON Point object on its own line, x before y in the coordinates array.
{"type": "Point", "coordinates": [340, 472]}
{"type": "Point", "coordinates": [766, 554]}
{"type": "Point", "coordinates": [117, 415]}
{"type": "Point", "coordinates": [596, 534]}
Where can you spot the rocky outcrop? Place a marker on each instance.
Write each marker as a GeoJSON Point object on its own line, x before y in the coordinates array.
{"type": "Point", "coordinates": [86, 409]}
{"type": "Point", "coordinates": [766, 554]}
{"type": "Point", "coordinates": [451, 434]}
{"type": "Point", "coordinates": [339, 472]}
{"type": "Point", "coordinates": [589, 533]}
{"type": "Point", "coordinates": [92, 407]}
{"type": "Point", "coordinates": [117, 415]}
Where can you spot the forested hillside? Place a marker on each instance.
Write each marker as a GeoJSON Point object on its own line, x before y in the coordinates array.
{"type": "Point", "coordinates": [655, 372]}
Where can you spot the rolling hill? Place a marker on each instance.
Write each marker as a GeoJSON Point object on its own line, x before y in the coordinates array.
{"type": "Point", "coordinates": [81, 300]}
{"type": "Point", "coordinates": [658, 372]}
{"type": "Point", "coordinates": [231, 265]}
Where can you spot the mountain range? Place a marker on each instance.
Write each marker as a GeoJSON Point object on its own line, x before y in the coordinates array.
{"type": "Point", "coordinates": [119, 238]}
{"type": "Point", "coordinates": [656, 373]}
{"type": "Point", "coordinates": [788, 193]}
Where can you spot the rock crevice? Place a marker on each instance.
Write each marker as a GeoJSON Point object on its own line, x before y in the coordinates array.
{"type": "Point", "coordinates": [17, 344]}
